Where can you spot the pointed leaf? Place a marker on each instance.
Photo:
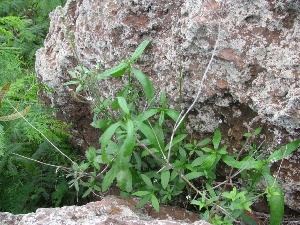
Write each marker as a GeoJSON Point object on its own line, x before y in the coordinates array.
{"type": "Point", "coordinates": [165, 178]}
{"type": "Point", "coordinates": [122, 103]}
{"type": "Point", "coordinates": [146, 84]}
{"type": "Point", "coordinates": [106, 136]}
{"type": "Point", "coordinates": [176, 140]}
{"type": "Point", "coordinates": [284, 151]}
{"type": "Point", "coordinates": [155, 203]}
{"type": "Point", "coordinates": [216, 139]}
{"type": "Point", "coordinates": [147, 180]}
{"type": "Point", "coordinates": [108, 179]}
{"type": "Point", "coordinates": [139, 50]}
{"type": "Point", "coordinates": [115, 71]}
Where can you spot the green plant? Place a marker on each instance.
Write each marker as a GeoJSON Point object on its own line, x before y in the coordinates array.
{"type": "Point", "coordinates": [145, 156]}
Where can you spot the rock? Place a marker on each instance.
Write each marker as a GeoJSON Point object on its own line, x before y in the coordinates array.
{"type": "Point", "coordinates": [110, 210]}
{"type": "Point", "coordinates": [253, 80]}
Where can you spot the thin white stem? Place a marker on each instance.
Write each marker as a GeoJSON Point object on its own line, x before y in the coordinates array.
{"type": "Point", "coordinates": [199, 89]}
{"type": "Point", "coordinates": [56, 148]}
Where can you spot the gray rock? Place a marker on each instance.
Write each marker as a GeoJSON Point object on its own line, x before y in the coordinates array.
{"type": "Point", "coordinates": [110, 210]}
{"type": "Point", "coordinates": [253, 80]}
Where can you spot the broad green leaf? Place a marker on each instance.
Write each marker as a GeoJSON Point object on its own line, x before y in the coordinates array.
{"type": "Point", "coordinates": [198, 161]}
{"type": "Point", "coordinates": [108, 179]}
{"type": "Point", "coordinates": [193, 175]}
{"type": "Point", "coordinates": [73, 74]}
{"type": "Point", "coordinates": [128, 146]}
{"type": "Point", "coordinates": [129, 143]}
{"type": "Point", "coordinates": [275, 200]}
{"type": "Point", "coordinates": [155, 202]}
{"type": "Point", "coordinates": [209, 161]}
{"type": "Point", "coordinates": [144, 201]}
{"type": "Point", "coordinates": [176, 140]}
{"type": "Point", "coordinates": [146, 84]}
{"type": "Point", "coordinates": [173, 114]}
{"type": "Point", "coordinates": [257, 131]}
{"type": "Point", "coordinates": [115, 71]}
{"type": "Point", "coordinates": [165, 178]}
{"type": "Point", "coordinates": [124, 180]}
{"type": "Point", "coordinates": [147, 180]}
{"type": "Point", "coordinates": [149, 134]}
{"type": "Point", "coordinates": [90, 153]}
{"type": "Point", "coordinates": [122, 103]}
{"type": "Point", "coordinates": [72, 82]}
{"type": "Point", "coordinates": [216, 139]}
{"type": "Point", "coordinates": [101, 124]}
{"type": "Point", "coordinates": [88, 191]}
{"type": "Point", "coordinates": [146, 115]}
{"type": "Point", "coordinates": [141, 193]}
{"type": "Point", "coordinates": [163, 99]}
{"type": "Point", "coordinates": [161, 118]}
{"type": "Point", "coordinates": [284, 151]}
{"type": "Point", "coordinates": [139, 50]}
{"type": "Point", "coordinates": [204, 142]}
{"type": "Point", "coordinates": [106, 136]}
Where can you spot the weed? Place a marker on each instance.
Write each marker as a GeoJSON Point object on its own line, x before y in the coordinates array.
{"type": "Point", "coordinates": [144, 156]}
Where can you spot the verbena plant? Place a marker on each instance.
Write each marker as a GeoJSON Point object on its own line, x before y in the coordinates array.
{"type": "Point", "coordinates": [144, 155]}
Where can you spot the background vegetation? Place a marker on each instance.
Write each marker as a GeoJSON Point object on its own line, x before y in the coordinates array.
{"type": "Point", "coordinates": [26, 185]}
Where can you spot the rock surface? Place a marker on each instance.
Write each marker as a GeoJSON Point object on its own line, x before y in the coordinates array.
{"type": "Point", "coordinates": [253, 80]}
{"type": "Point", "coordinates": [110, 210]}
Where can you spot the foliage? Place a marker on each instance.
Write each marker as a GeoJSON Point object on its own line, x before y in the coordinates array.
{"type": "Point", "coordinates": [144, 156]}
{"type": "Point", "coordinates": [24, 24]}
{"type": "Point", "coordinates": [27, 185]}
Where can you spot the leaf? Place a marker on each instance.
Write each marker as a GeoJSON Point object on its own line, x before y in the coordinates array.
{"type": "Point", "coordinates": [15, 115]}
{"type": "Point", "coordinates": [88, 191]}
{"type": "Point", "coordinates": [73, 74]}
{"type": "Point", "coordinates": [139, 50]}
{"type": "Point", "coordinates": [161, 118]}
{"type": "Point", "coordinates": [276, 201]}
{"type": "Point", "coordinates": [122, 103]}
{"type": "Point", "coordinates": [146, 115]}
{"type": "Point", "coordinates": [204, 142]}
{"type": "Point", "coordinates": [106, 136]}
{"type": "Point", "coordinates": [149, 134]}
{"type": "Point", "coordinates": [108, 179]}
{"type": "Point", "coordinates": [146, 84]}
{"type": "Point", "coordinates": [257, 131]}
{"type": "Point", "coordinates": [173, 114]}
{"type": "Point", "coordinates": [209, 161]}
{"type": "Point", "coordinates": [124, 180]}
{"type": "Point", "coordinates": [216, 139]}
{"type": "Point", "coordinates": [193, 175]}
{"type": "Point", "coordinates": [155, 202]}
{"type": "Point", "coordinates": [165, 178]}
{"type": "Point", "coordinates": [141, 193]}
{"type": "Point", "coordinates": [147, 180]}
{"type": "Point", "coordinates": [129, 143]}
{"type": "Point", "coordinates": [115, 71]}
{"type": "Point", "coordinates": [284, 151]}
{"type": "Point", "coordinates": [143, 201]}
{"type": "Point", "coordinates": [176, 140]}
{"type": "Point", "coordinates": [163, 99]}
{"type": "Point", "coordinates": [198, 161]}
{"type": "Point", "coordinates": [72, 82]}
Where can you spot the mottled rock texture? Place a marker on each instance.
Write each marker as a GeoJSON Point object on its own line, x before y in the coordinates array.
{"type": "Point", "coordinates": [253, 80]}
{"type": "Point", "coordinates": [110, 210]}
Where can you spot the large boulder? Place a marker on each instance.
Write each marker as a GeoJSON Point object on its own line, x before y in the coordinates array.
{"type": "Point", "coordinates": [252, 81]}
{"type": "Point", "coordinates": [110, 210]}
